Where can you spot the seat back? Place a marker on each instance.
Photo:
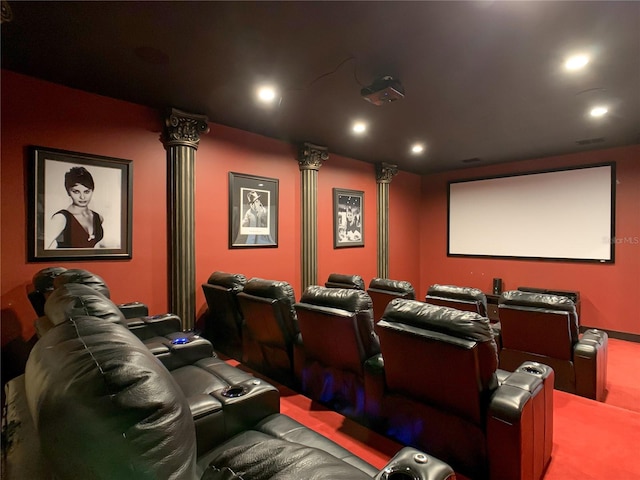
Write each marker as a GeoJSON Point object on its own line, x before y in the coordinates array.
{"type": "Point", "coordinates": [104, 402]}
{"type": "Point", "coordinates": [340, 280]}
{"type": "Point", "coordinates": [462, 298]}
{"type": "Point", "coordinates": [270, 327]}
{"type": "Point", "coordinates": [440, 356]}
{"type": "Point", "coordinates": [223, 325]}
{"type": "Point", "coordinates": [336, 326]}
{"type": "Point", "coordinates": [538, 323]}
{"type": "Point", "coordinates": [383, 290]}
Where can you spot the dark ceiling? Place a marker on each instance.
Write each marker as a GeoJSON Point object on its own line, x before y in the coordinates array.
{"type": "Point", "coordinates": [483, 80]}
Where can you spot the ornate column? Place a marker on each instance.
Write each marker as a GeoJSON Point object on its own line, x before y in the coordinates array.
{"type": "Point", "coordinates": [181, 139]}
{"type": "Point", "coordinates": [384, 174]}
{"type": "Point", "coordinates": [310, 158]}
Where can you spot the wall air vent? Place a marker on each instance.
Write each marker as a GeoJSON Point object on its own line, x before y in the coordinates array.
{"type": "Point", "coordinates": [590, 141]}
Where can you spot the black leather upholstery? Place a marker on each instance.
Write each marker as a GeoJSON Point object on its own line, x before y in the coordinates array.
{"type": "Point", "coordinates": [91, 383]}
{"type": "Point", "coordinates": [543, 327]}
{"type": "Point", "coordinates": [462, 298]}
{"type": "Point", "coordinates": [337, 339]}
{"type": "Point", "coordinates": [270, 328]}
{"type": "Point", "coordinates": [341, 280]}
{"type": "Point", "coordinates": [223, 325]}
{"type": "Point", "coordinates": [383, 290]}
{"type": "Point", "coordinates": [41, 286]}
{"type": "Point", "coordinates": [442, 393]}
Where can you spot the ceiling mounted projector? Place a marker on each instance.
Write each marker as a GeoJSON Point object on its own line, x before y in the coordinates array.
{"type": "Point", "coordinates": [383, 90]}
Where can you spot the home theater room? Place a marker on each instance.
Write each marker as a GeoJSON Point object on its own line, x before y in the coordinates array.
{"type": "Point", "coordinates": [291, 240]}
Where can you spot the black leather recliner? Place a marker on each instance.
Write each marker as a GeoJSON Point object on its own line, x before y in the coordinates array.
{"type": "Point", "coordinates": [443, 393]}
{"type": "Point", "coordinates": [270, 328]}
{"type": "Point", "coordinates": [223, 325]}
{"type": "Point", "coordinates": [336, 326]}
{"type": "Point", "coordinates": [383, 290]}
{"type": "Point", "coordinates": [543, 328]}
{"type": "Point", "coordinates": [341, 280]}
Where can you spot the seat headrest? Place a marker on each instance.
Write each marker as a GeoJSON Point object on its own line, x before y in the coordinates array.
{"type": "Point", "coordinates": [460, 293]}
{"type": "Point", "coordinates": [73, 299]}
{"type": "Point", "coordinates": [399, 286]}
{"type": "Point", "coordinates": [344, 298]}
{"type": "Point", "coordinates": [537, 300]}
{"type": "Point", "coordinates": [270, 289]}
{"type": "Point", "coordinates": [233, 281]}
{"type": "Point", "coordinates": [84, 277]}
{"type": "Point", "coordinates": [450, 321]}
{"type": "Point", "coordinates": [340, 280]}
{"type": "Point", "coordinates": [101, 402]}
{"type": "Point", "coordinates": [42, 280]}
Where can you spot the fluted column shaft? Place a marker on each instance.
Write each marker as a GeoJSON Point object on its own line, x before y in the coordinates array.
{"type": "Point", "coordinates": [310, 160]}
{"type": "Point", "coordinates": [384, 174]}
{"type": "Point", "coordinates": [182, 136]}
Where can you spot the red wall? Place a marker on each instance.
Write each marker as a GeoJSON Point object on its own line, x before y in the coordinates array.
{"type": "Point", "coordinates": [44, 114]}
{"type": "Point", "coordinates": [608, 291]}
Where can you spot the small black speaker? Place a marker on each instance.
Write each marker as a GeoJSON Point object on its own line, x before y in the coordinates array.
{"type": "Point", "coordinates": [497, 286]}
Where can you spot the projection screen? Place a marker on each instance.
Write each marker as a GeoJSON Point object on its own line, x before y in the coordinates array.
{"type": "Point", "coordinates": [564, 214]}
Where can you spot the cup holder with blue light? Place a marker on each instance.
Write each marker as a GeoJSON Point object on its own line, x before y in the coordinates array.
{"type": "Point", "coordinates": [180, 341]}
{"type": "Point", "coordinates": [234, 391]}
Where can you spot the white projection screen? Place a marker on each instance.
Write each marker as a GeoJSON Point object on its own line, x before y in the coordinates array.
{"type": "Point", "coordinates": [564, 214]}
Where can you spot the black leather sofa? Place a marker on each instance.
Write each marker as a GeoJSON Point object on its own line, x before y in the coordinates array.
{"type": "Point", "coordinates": [95, 403]}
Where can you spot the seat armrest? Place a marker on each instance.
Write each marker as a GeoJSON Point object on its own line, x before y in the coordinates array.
{"type": "Point", "coordinates": [515, 427]}
{"type": "Point", "coordinates": [154, 326]}
{"type": "Point", "coordinates": [133, 309]}
{"type": "Point", "coordinates": [416, 465]}
{"type": "Point", "coordinates": [590, 363]}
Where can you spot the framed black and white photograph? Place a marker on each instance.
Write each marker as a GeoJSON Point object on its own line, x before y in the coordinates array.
{"type": "Point", "coordinates": [348, 218]}
{"type": "Point", "coordinates": [253, 211]}
{"type": "Point", "coordinates": [80, 206]}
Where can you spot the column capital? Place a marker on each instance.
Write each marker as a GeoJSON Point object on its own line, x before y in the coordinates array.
{"type": "Point", "coordinates": [184, 129]}
{"type": "Point", "coordinates": [310, 156]}
{"type": "Point", "coordinates": [385, 172]}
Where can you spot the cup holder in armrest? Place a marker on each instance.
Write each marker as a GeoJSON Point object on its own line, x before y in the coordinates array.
{"type": "Point", "coordinates": [234, 391]}
{"type": "Point", "coordinates": [412, 464]}
{"type": "Point", "coordinates": [180, 341]}
{"type": "Point", "coordinates": [532, 369]}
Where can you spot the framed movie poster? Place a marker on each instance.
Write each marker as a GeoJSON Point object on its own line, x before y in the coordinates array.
{"type": "Point", "coordinates": [348, 218]}
{"type": "Point", "coordinates": [80, 206]}
{"type": "Point", "coordinates": [253, 211]}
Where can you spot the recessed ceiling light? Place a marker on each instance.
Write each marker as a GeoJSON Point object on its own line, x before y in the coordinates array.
{"type": "Point", "coordinates": [266, 94]}
{"type": "Point", "coordinates": [359, 127]}
{"type": "Point", "coordinates": [576, 62]}
{"type": "Point", "coordinates": [417, 148]}
{"type": "Point", "coordinates": [599, 111]}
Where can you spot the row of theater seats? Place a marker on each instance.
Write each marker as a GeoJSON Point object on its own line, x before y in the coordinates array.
{"type": "Point", "coordinates": [98, 400]}
{"type": "Point", "coordinates": [425, 375]}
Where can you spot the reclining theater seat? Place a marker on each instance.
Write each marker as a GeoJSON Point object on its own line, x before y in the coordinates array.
{"type": "Point", "coordinates": [340, 280]}
{"type": "Point", "coordinates": [383, 290]}
{"type": "Point", "coordinates": [544, 328]}
{"type": "Point", "coordinates": [41, 286]}
{"type": "Point", "coordinates": [270, 328]}
{"type": "Point", "coordinates": [337, 338]}
{"type": "Point", "coordinates": [95, 404]}
{"type": "Point", "coordinates": [442, 394]}
{"type": "Point", "coordinates": [223, 326]}
{"type": "Point", "coordinates": [221, 398]}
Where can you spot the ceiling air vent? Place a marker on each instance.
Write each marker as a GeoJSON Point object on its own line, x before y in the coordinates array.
{"type": "Point", "coordinates": [590, 141]}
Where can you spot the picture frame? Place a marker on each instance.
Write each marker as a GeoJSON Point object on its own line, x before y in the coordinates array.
{"type": "Point", "coordinates": [348, 218]}
{"type": "Point", "coordinates": [253, 211]}
{"type": "Point", "coordinates": [80, 206]}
